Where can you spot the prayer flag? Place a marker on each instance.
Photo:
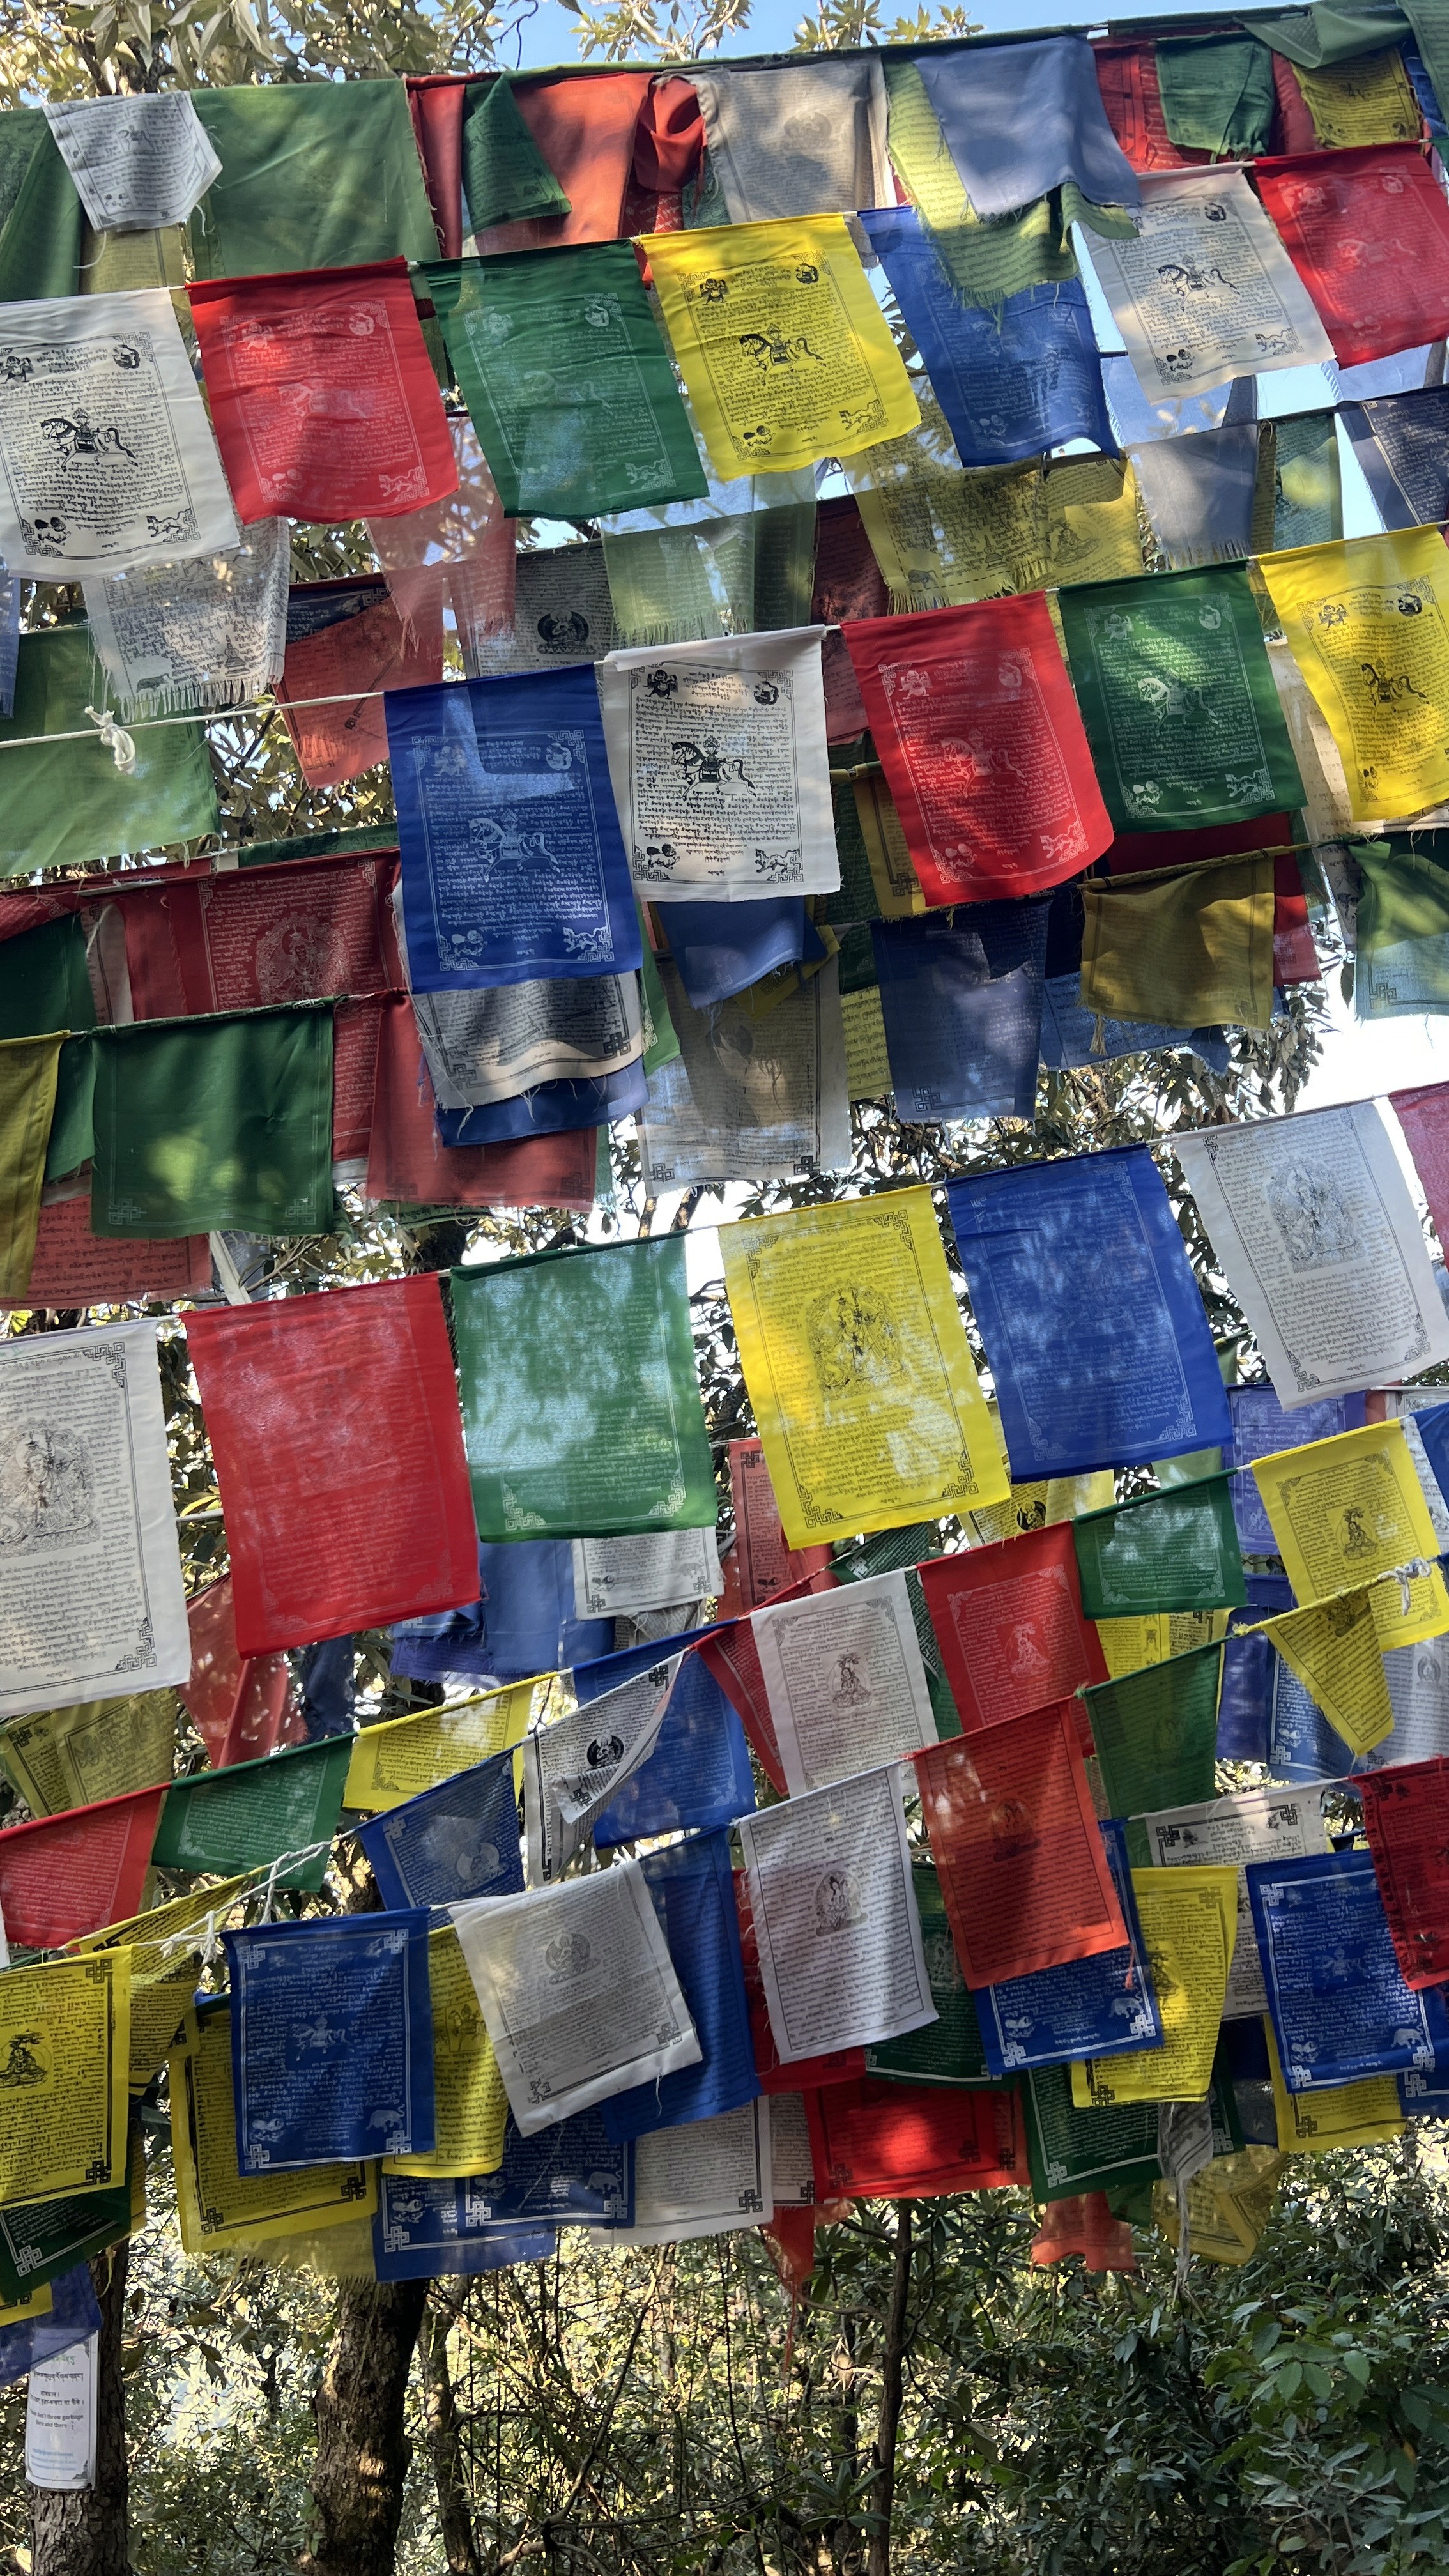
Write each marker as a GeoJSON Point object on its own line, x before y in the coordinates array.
{"type": "Point", "coordinates": [1257, 1824]}
{"type": "Point", "coordinates": [68, 805]}
{"type": "Point", "coordinates": [947, 2050]}
{"type": "Point", "coordinates": [512, 1041]}
{"type": "Point", "coordinates": [1132, 96]}
{"type": "Point", "coordinates": [1189, 1918]}
{"type": "Point", "coordinates": [1333, 1648]}
{"type": "Point", "coordinates": [1155, 1731]}
{"type": "Point", "coordinates": [68, 1874]}
{"type": "Point", "coordinates": [570, 2173]}
{"type": "Point", "coordinates": [459, 1838]}
{"type": "Point", "coordinates": [1097, 2150]}
{"type": "Point", "coordinates": [661, 1572]}
{"type": "Point", "coordinates": [758, 1088]}
{"type": "Point", "coordinates": [217, 2205]}
{"type": "Point", "coordinates": [983, 748]}
{"type": "Point", "coordinates": [313, 174]}
{"type": "Point", "coordinates": [1176, 1550]}
{"type": "Point", "coordinates": [295, 932]}
{"type": "Point", "coordinates": [43, 230]}
{"type": "Point", "coordinates": [798, 138]}
{"type": "Point", "coordinates": [581, 1404]}
{"type": "Point", "coordinates": [461, 549]}
{"type": "Point", "coordinates": [573, 1765]}
{"type": "Point", "coordinates": [585, 130]}
{"type": "Point", "coordinates": [711, 2178]}
{"type": "Point", "coordinates": [1368, 232]}
{"type": "Point", "coordinates": [845, 1681]}
{"type": "Point", "coordinates": [370, 441]}
{"type": "Point", "coordinates": [877, 2141]}
{"type": "Point", "coordinates": [1195, 948]}
{"type": "Point", "coordinates": [343, 1515]}
{"type": "Point", "coordinates": [242, 1706]}
{"type": "Point", "coordinates": [206, 1124]}
{"type": "Point", "coordinates": [1021, 119]}
{"type": "Point", "coordinates": [763, 1558]}
{"type": "Point", "coordinates": [720, 953]}
{"type": "Point", "coordinates": [164, 1966]}
{"type": "Point", "coordinates": [1400, 441]}
{"type": "Point", "coordinates": [331, 2040]}
{"type": "Point", "coordinates": [1083, 1256]}
{"type": "Point", "coordinates": [847, 1324]}
{"type": "Point", "coordinates": [961, 999]}
{"type": "Point", "coordinates": [1368, 623]}
{"type": "Point", "coordinates": [347, 645]}
{"type": "Point", "coordinates": [1346, 1509]}
{"type": "Point", "coordinates": [1206, 494]}
{"type": "Point", "coordinates": [1260, 1426]}
{"type": "Point", "coordinates": [1016, 1847]}
{"type": "Point", "coordinates": [1308, 488]}
{"type": "Point", "coordinates": [834, 1916]}
{"type": "Point", "coordinates": [943, 538]}
{"type": "Point", "coordinates": [49, 2237]}
{"type": "Point", "coordinates": [99, 1749]}
{"type": "Point", "coordinates": [693, 1895]}
{"type": "Point", "coordinates": [698, 1775]}
{"type": "Point", "coordinates": [1217, 94]}
{"type": "Point", "coordinates": [28, 1073]}
{"type": "Point", "coordinates": [785, 354]}
{"type": "Point", "coordinates": [1205, 290]}
{"type": "Point", "coordinates": [1365, 2114]}
{"type": "Point", "coordinates": [1368, 101]}
{"type": "Point", "coordinates": [254, 1812]}
{"type": "Point", "coordinates": [1009, 1622]}
{"type": "Point", "coordinates": [425, 2228]}
{"type": "Point", "coordinates": [1402, 926]}
{"type": "Point", "coordinates": [1093, 2007]}
{"type": "Point", "coordinates": [470, 2105]}
{"type": "Point", "coordinates": [408, 1166]}
{"type": "Point", "coordinates": [200, 633]}
{"type": "Point", "coordinates": [139, 163]}
{"type": "Point", "coordinates": [829, 2066]}
{"type": "Point", "coordinates": [1339, 2005]}
{"type": "Point", "coordinates": [404, 1756]}
{"type": "Point", "coordinates": [64, 2106]}
{"type": "Point", "coordinates": [522, 1623]}
{"type": "Point", "coordinates": [1404, 1818]}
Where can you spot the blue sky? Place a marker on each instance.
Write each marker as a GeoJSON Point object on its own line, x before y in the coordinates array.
{"type": "Point", "coordinates": [552, 37]}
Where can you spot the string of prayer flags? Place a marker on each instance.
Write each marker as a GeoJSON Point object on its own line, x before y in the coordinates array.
{"type": "Point", "coordinates": [1333, 1647]}
{"type": "Point", "coordinates": [1098, 2006]}
{"type": "Point", "coordinates": [1398, 439]}
{"type": "Point", "coordinates": [64, 2108]}
{"type": "Point", "coordinates": [698, 1775]}
{"type": "Point", "coordinates": [1193, 948]}
{"type": "Point", "coordinates": [1368, 233]}
{"type": "Point", "coordinates": [1403, 1814]}
{"type": "Point", "coordinates": [256, 1811]}
{"type": "Point", "coordinates": [67, 804]}
{"type": "Point", "coordinates": [207, 1124]}
{"type": "Point", "coordinates": [469, 2103]}
{"type": "Point", "coordinates": [216, 2204]}
{"type": "Point", "coordinates": [834, 1917]}
{"type": "Point", "coordinates": [605, 431]}
{"type": "Point", "coordinates": [1347, 1509]}
{"type": "Point", "coordinates": [1176, 1550]}
{"type": "Point", "coordinates": [1019, 120]}
{"type": "Point", "coordinates": [720, 766]}
{"type": "Point", "coordinates": [205, 632]}
{"type": "Point", "coordinates": [1205, 289]}
{"type": "Point", "coordinates": [369, 440]}
{"type": "Point", "coordinates": [67, 1874]}
{"type": "Point", "coordinates": [574, 1765]}
{"type": "Point", "coordinates": [1368, 623]}
{"type": "Point", "coordinates": [1254, 1825]}
{"type": "Point", "coordinates": [139, 164]}
{"type": "Point", "coordinates": [858, 1368]}
{"type": "Point", "coordinates": [796, 139]}
{"type": "Point", "coordinates": [961, 1000]}
{"type": "Point", "coordinates": [134, 477]}
{"type": "Point", "coordinates": [83, 1435]}
{"type": "Point", "coordinates": [1083, 1256]}
{"type": "Point", "coordinates": [947, 2050]}
{"type": "Point", "coordinates": [1177, 696]}
{"type": "Point", "coordinates": [581, 1403]}
{"type": "Point", "coordinates": [99, 1749]}
{"type": "Point", "coordinates": [460, 1838]}
{"type": "Point", "coordinates": [1365, 2114]}
{"type": "Point", "coordinates": [1009, 1622]}
{"type": "Point", "coordinates": [871, 2140]}
{"type": "Point", "coordinates": [1189, 1919]}
{"type": "Point", "coordinates": [513, 868]}
{"type": "Point", "coordinates": [693, 1895]}
{"type": "Point", "coordinates": [369, 1517]}
{"type": "Point", "coordinates": [1017, 1851]}
{"type": "Point", "coordinates": [404, 1756]}
{"type": "Point", "coordinates": [1155, 1731]}
{"type": "Point", "coordinates": [1071, 2151]}
{"type": "Point", "coordinates": [1339, 2005]}
{"type": "Point", "coordinates": [345, 649]}
{"type": "Point", "coordinates": [845, 1681]}
{"type": "Point", "coordinates": [331, 2040]}
{"type": "Point", "coordinates": [983, 747]}
{"type": "Point", "coordinates": [785, 354]}
{"type": "Point", "coordinates": [578, 1991]}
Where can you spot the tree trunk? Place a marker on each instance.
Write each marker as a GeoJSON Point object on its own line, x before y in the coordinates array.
{"type": "Point", "coordinates": [88, 2534]}
{"type": "Point", "coordinates": [454, 2520]}
{"type": "Point", "coordinates": [362, 2449]}
{"type": "Point", "coordinates": [892, 2369]}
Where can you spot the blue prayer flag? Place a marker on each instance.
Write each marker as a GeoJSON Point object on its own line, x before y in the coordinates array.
{"type": "Point", "coordinates": [331, 2041]}
{"type": "Point", "coordinates": [1432, 1426]}
{"type": "Point", "coordinates": [1095, 1332]}
{"type": "Point", "coordinates": [327, 1679]}
{"type": "Point", "coordinates": [610, 1672]}
{"type": "Point", "coordinates": [697, 1778]}
{"type": "Point", "coordinates": [522, 1622]}
{"type": "Point", "coordinates": [1012, 382]}
{"type": "Point", "coordinates": [1339, 2005]}
{"type": "Point", "coordinates": [573, 2171]}
{"type": "Point", "coordinates": [694, 1898]}
{"type": "Point", "coordinates": [721, 948]}
{"type": "Point", "coordinates": [74, 2314]}
{"type": "Point", "coordinates": [1245, 1701]}
{"type": "Point", "coordinates": [1302, 1746]}
{"type": "Point", "coordinates": [9, 639]}
{"type": "Point", "coordinates": [513, 865]}
{"type": "Point", "coordinates": [1259, 1427]}
{"type": "Point", "coordinates": [1425, 2097]}
{"type": "Point", "coordinates": [426, 2229]}
{"type": "Point", "coordinates": [961, 997]}
{"type": "Point", "coordinates": [551, 1109]}
{"type": "Point", "coordinates": [1072, 1036]}
{"type": "Point", "coordinates": [1086, 2008]}
{"type": "Point", "coordinates": [455, 1840]}
{"type": "Point", "coordinates": [1019, 119]}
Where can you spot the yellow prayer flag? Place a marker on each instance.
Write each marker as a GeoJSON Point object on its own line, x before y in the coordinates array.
{"type": "Point", "coordinates": [1368, 623]}
{"type": "Point", "coordinates": [867, 1065]}
{"type": "Point", "coordinates": [858, 1367]}
{"type": "Point", "coordinates": [340, 2253]}
{"type": "Point", "coordinates": [1368, 101]}
{"type": "Point", "coordinates": [1188, 948]}
{"type": "Point", "coordinates": [65, 2032]}
{"type": "Point", "coordinates": [163, 1980]}
{"type": "Point", "coordinates": [1365, 2114]}
{"type": "Point", "coordinates": [1189, 1922]}
{"type": "Point", "coordinates": [786, 355]}
{"type": "Point", "coordinates": [1333, 1648]}
{"type": "Point", "coordinates": [398, 1760]}
{"type": "Point", "coordinates": [70, 1757]}
{"type": "Point", "coordinates": [1346, 1509]}
{"type": "Point", "coordinates": [1070, 1498]}
{"type": "Point", "coordinates": [943, 535]}
{"type": "Point", "coordinates": [36, 2303]}
{"type": "Point", "coordinates": [218, 2206]}
{"type": "Point", "coordinates": [28, 1070]}
{"type": "Point", "coordinates": [472, 2106]}
{"type": "Point", "coordinates": [1228, 2204]}
{"type": "Point", "coordinates": [1130, 1644]}
{"type": "Point", "coordinates": [897, 886]}
{"type": "Point", "coordinates": [1093, 530]}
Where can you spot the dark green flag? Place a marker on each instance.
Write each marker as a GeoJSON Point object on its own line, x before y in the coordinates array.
{"type": "Point", "coordinates": [43, 981]}
{"type": "Point", "coordinates": [948, 2050]}
{"type": "Point", "coordinates": [1171, 1551]}
{"type": "Point", "coordinates": [581, 1405]}
{"type": "Point", "coordinates": [314, 174]}
{"type": "Point", "coordinates": [560, 361]}
{"type": "Point", "coordinates": [1323, 35]}
{"type": "Point", "coordinates": [42, 221]}
{"type": "Point", "coordinates": [1156, 1732]}
{"type": "Point", "coordinates": [66, 804]}
{"type": "Point", "coordinates": [1217, 94]}
{"type": "Point", "coordinates": [1176, 691]}
{"type": "Point", "coordinates": [1071, 2151]}
{"type": "Point", "coordinates": [72, 1129]}
{"type": "Point", "coordinates": [206, 1123]}
{"type": "Point", "coordinates": [505, 176]}
{"type": "Point", "coordinates": [252, 1812]}
{"type": "Point", "coordinates": [48, 2237]}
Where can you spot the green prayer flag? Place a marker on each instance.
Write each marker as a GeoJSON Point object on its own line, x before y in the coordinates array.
{"type": "Point", "coordinates": [207, 1123]}
{"type": "Point", "coordinates": [1156, 1732]}
{"type": "Point", "coordinates": [41, 217]}
{"type": "Point", "coordinates": [505, 176]}
{"type": "Point", "coordinates": [318, 845]}
{"type": "Point", "coordinates": [252, 1812]}
{"type": "Point", "coordinates": [1217, 94]}
{"type": "Point", "coordinates": [314, 174]}
{"type": "Point", "coordinates": [48, 2237]}
{"type": "Point", "coordinates": [567, 380]}
{"type": "Point", "coordinates": [72, 1125]}
{"type": "Point", "coordinates": [1071, 2151]}
{"type": "Point", "coordinates": [581, 1405]}
{"type": "Point", "coordinates": [855, 898]}
{"type": "Point", "coordinates": [1177, 695]}
{"type": "Point", "coordinates": [1322, 36]}
{"type": "Point", "coordinates": [1429, 20]}
{"type": "Point", "coordinates": [681, 585]}
{"type": "Point", "coordinates": [948, 2050]}
{"type": "Point", "coordinates": [1171, 1551]}
{"type": "Point", "coordinates": [28, 1075]}
{"type": "Point", "coordinates": [784, 566]}
{"type": "Point", "coordinates": [43, 981]}
{"type": "Point", "coordinates": [66, 804]}
{"type": "Point", "coordinates": [1403, 924]}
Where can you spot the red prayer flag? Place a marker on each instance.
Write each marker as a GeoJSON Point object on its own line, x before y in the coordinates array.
{"type": "Point", "coordinates": [584, 126]}
{"type": "Point", "coordinates": [435, 104]}
{"type": "Point", "coordinates": [1423, 1115]}
{"type": "Point", "coordinates": [333, 675]}
{"type": "Point", "coordinates": [297, 931]}
{"type": "Point", "coordinates": [833, 2066]}
{"type": "Point", "coordinates": [1368, 232]}
{"type": "Point", "coordinates": [1084, 2224]}
{"type": "Point", "coordinates": [848, 585]}
{"type": "Point", "coordinates": [242, 1706]}
{"type": "Point", "coordinates": [323, 396]}
{"type": "Point", "coordinates": [73, 1267]}
{"type": "Point", "coordinates": [408, 1167]}
{"type": "Point", "coordinates": [790, 2241]}
{"type": "Point", "coordinates": [1406, 1818]}
{"type": "Point", "coordinates": [1014, 1838]}
{"type": "Point", "coordinates": [765, 1563]}
{"type": "Point", "coordinates": [67, 1875]}
{"type": "Point", "coordinates": [1127, 79]}
{"type": "Point", "coordinates": [983, 747]}
{"type": "Point", "coordinates": [1009, 1622]}
{"type": "Point", "coordinates": [732, 1656]}
{"type": "Point", "coordinates": [1134, 853]}
{"type": "Point", "coordinates": [1295, 958]}
{"type": "Point", "coordinates": [338, 1443]}
{"type": "Point", "coordinates": [875, 2141]}
{"type": "Point", "coordinates": [1296, 131]}
{"type": "Point", "coordinates": [356, 1034]}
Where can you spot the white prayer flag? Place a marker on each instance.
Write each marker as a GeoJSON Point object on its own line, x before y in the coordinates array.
{"type": "Point", "coordinates": [845, 1680]}
{"type": "Point", "coordinates": [659, 1571]}
{"type": "Point", "coordinates": [210, 632]}
{"type": "Point", "coordinates": [835, 1917]}
{"type": "Point", "coordinates": [139, 164]}
{"type": "Point", "coordinates": [708, 2178]}
{"type": "Point", "coordinates": [1205, 290]}
{"type": "Point", "coordinates": [575, 1765]}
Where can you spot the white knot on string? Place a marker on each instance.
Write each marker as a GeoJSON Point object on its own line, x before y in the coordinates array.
{"type": "Point", "coordinates": [192, 1937]}
{"type": "Point", "coordinates": [115, 739]}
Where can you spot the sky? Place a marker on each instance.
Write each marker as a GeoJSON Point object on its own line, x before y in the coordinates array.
{"type": "Point", "coordinates": [552, 37]}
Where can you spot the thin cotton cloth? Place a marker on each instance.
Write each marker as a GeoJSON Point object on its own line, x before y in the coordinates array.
{"type": "Point", "coordinates": [749, 1097]}
{"type": "Point", "coordinates": [1199, 493]}
{"type": "Point", "coordinates": [1368, 625]}
{"type": "Point", "coordinates": [1368, 101]}
{"type": "Point", "coordinates": [204, 1124]}
{"type": "Point", "coordinates": [562, 613]}
{"type": "Point", "coordinates": [504, 176]}
{"type": "Point", "coordinates": [585, 131]}
{"type": "Point", "coordinates": [798, 139]}
{"type": "Point", "coordinates": [461, 548]}
{"type": "Point", "coordinates": [323, 396]}
{"type": "Point", "coordinates": [208, 632]}
{"type": "Point", "coordinates": [1402, 443]}
{"type": "Point", "coordinates": [139, 163]}
{"type": "Point", "coordinates": [1308, 492]}
{"type": "Point", "coordinates": [1401, 961]}
{"type": "Point", "coordinates": [107, 458]}
{"type": "Point", "coordinates": [943, 538]}
{"type": "Point", "coordinates": [961, 996]}
{"type": "Point", "coordinates": [1206, 290]}
{"type": "Point", "coordinates": [1020, 120]}
{"type": "Point", "coordinates": [1368, 233]}
{"type": "Point", "coordinates": [42, 220]}
{"type": "Point", "coordinates": [332, 2040]}
{"type": "Point", "coordinates": [1194, 949]}
{"type": "Point", "coordinates": [28, 1070]}
{"type": "Point", "coordinates": [1217, 94]}
{"type": "Point", "coordinates": [347, 644]}
{"type": "Point", "coordinates": [314, 174]}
